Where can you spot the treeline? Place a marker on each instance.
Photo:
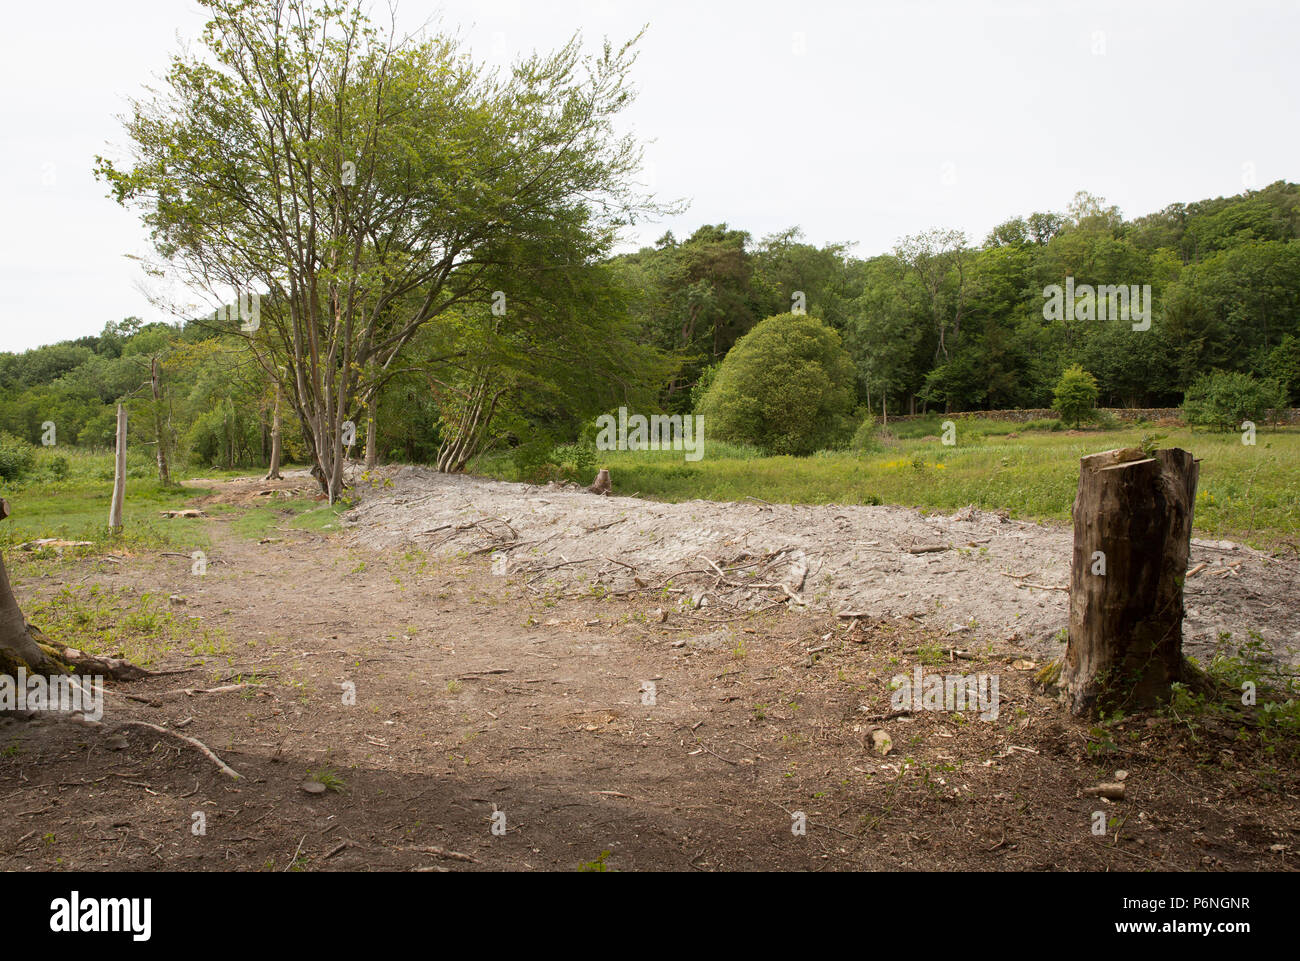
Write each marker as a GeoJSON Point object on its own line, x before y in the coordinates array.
{"type": "Point", "coordinates": [937, 324]}
{"type": "Point", "coordinates": [941, 323]}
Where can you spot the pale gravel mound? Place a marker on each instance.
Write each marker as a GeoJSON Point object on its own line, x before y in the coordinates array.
{"type": "Point", "coordinates": [857, 557]}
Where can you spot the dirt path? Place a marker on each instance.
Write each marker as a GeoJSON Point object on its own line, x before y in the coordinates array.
{"type": "Point", "coordinates": [990, 578]}
{"type": "Point", "coordinates": [584, 724]}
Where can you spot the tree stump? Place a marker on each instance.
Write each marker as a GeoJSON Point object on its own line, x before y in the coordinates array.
{"type": "Point", "coordinates": [1132, 537]}
{"type": "Point", "coordinates": [601, 485]}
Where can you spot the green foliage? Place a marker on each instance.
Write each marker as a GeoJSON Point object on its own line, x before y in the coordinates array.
{"type": "Point", "coordinates": [786, 388]}
{"type": "Point", "coordinates": [1248, 494]}
{"type": "Point", "coordinates": [17, 457]}
{"type": "Point", "coordinates": [1075, 396]}
{"type": "Point", "coordinates": [575, 462]}
{"type": "Point", "coordinates": [864, 439]}
{"type": "Point", "coordinates": [1223, 400]}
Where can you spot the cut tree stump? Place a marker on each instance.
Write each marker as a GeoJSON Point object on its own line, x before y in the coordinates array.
{"type": "Point", "coordinates": [1132, 537]}
{"type": "Point", "coordinates": [601, 485]}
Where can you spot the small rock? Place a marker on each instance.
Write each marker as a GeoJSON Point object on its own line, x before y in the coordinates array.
{"type": "Point", "coordinates": [178, 600]}
{"type": "Point", "coordinates": [313, 787]}
{"type": "Point", "coordinates": [881, 742]}
{"type": "Point", "coordinates": [1121, 775]}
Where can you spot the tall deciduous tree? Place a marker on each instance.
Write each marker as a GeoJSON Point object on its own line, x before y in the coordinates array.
{"type": "Point", "coordinates": [364, 185]}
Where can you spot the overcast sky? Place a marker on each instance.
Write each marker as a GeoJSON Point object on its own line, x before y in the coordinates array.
{"type": "Point", "coordinates": [858, 121]}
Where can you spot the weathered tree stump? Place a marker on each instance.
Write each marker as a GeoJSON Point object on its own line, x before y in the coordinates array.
{"type": "Point", "coordinates": [1132, 537]}
{"type": "Point", "coordinates": [601, 485]}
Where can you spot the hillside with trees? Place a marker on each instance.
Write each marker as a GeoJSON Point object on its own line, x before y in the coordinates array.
{"type": "Point", "coordinates": [937, 324]}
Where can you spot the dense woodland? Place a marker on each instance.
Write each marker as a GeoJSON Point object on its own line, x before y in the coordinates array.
{"type": "Point", "coordinates": [937, 324]}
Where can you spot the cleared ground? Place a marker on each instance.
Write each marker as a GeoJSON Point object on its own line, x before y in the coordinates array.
{"type": "Point", "coordinates": [484, 700]}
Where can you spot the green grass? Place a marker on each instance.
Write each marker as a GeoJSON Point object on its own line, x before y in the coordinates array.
{"type": "Point", "coordinates": [271, 520]}
{"type": "Point", "coordinates": [143, 627]}
{"type": "Point", "coordinates": [1248, 493]}
{"type": "Point", "coordinates": [76, 507]}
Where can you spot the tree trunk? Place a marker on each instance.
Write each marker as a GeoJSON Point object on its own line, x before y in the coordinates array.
{"type": "Point", "coordinates": [372, 454]}
{"type": "Point", "coordinates": [23, 646]}
{"type": "Point", "coordinates": [119, 474]}
{"type": "Point", "coordinates": [17, 649]}
{"type": "Point", "coordinates": [1132, 538]}
{"type": "Point", "coordinates": [160, 433]}
{"type": "Point", "coordinates": [274, 472]}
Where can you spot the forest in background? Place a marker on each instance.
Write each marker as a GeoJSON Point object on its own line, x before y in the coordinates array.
{"type": "Point", "coordinates": [939, 323]}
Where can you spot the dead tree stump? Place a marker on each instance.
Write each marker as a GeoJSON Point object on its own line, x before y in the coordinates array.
{"type": "Point", "coordinates": [1132, 537]}
{"type": "Point", "coordinates": [601, 485]}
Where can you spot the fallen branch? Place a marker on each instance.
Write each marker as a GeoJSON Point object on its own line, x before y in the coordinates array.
{"type": "Point", "coordinates": [203, 748]}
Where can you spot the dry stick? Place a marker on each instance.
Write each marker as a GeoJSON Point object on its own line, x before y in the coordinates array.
{"type": "Point", "coordinates": [295, 854]}
{"type": "Point", "coordinates": [714, 753]}
{"type": "Point", "coordinates": [221, 765]}
{"type": "Point", "coordinates": [444, 853]}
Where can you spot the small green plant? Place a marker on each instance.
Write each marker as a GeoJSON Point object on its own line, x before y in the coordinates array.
{"type": "Point", "coordinates": [597, 864]}
{"type": "Point", "coordinates": [327, 777]}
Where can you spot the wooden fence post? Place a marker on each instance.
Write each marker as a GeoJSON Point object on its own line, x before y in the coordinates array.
{"type": "Point", "coordinates": [119, 474]}
{"type": "Point", "coordinates": [1132, 537]}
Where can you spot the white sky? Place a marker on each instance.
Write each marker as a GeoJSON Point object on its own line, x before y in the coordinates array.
{"type": "Point", "coordinates": [858, 121]}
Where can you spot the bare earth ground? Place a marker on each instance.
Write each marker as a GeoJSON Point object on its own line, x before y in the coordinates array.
{"type": "Point", "coordinates": [997, 578]}
{"type": "Point", "coordinates": [484, 699]}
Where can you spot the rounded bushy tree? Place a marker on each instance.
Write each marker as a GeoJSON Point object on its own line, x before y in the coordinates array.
{"type": "Point", "coordinates": [1075, 397]}
{"type": "Point", "coordinates": [786, 387]}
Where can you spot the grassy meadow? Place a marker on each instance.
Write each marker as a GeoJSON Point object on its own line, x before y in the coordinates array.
{"type": "Point", "coordinates": [1246, 493]}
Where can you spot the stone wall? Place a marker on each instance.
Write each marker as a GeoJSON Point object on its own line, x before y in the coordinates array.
{"type": "Point", "coordinates": [1291, 416]}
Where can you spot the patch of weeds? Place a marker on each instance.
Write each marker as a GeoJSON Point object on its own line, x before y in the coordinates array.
{"type": "Point", "coordinates": [597, 864]}
{"type": "Point", "coordinates": [329, 778]}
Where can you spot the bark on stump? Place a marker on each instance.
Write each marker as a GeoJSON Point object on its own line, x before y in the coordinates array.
{"type": "Point", "coordinates": [1132, 537]}
{"type": "Point", "coordinates": [601, 485]}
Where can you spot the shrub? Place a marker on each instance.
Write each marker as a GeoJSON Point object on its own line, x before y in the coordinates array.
{"type": "Point", "coordinates": [1045, 424]}
{"type": "Point", "coordinates": [53, 466]}
{"type": "Point", "coordinates": [1222, 400]}
{"type": "Point", "coordinates": [16, 457]}
{"type": "Point", "coordinates": [786, 387]}
{"type": "Point", "coordinates": [1075, 397]}
{"type": "Point", "coordinates": [576, 462]}
{"type": "Point", "coordinates": [533, 462]}
{"type": "Point", "coordinates": [864, 439]}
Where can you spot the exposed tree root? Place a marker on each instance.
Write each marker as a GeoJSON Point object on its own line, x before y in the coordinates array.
{"type": "Point", "coordinates": [222, 766]}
